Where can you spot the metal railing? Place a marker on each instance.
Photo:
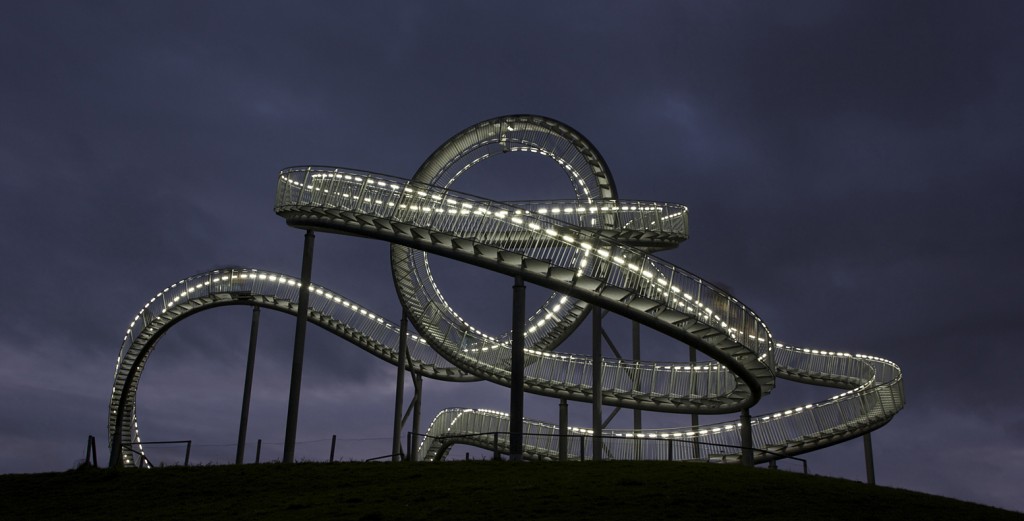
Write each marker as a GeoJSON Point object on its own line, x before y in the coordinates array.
{"type": "Point", "coordinates": [614, 447]}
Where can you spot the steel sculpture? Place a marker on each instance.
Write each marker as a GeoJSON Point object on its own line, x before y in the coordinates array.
{"type": "Point", "coordinates": [594, 254]}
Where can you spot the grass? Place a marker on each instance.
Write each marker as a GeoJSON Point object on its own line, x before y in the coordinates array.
{"type": "Point", "coordinates": [466, 490]}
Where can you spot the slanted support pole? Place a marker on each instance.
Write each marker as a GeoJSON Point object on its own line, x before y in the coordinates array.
{"type": "Point", "coordinates": [596, 384]}
{"type": "Point", "coordinates": [291, 429]}
{"type": "Point", "coordinates": [250, 365]}
{"type": "Point", "coordinates": [563, 430]}
{"type": "Point", "coordinates": [869, 459]}
{"type": "Point", "coordinates": [403, 353]}
{"type": "Point", "coordinates": [747, 439]}
{"type": "Point", "coordinates": [515, 426]}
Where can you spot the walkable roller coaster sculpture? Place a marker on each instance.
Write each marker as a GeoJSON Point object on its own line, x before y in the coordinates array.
{"type": "Point", "coordinates": [594, 253]}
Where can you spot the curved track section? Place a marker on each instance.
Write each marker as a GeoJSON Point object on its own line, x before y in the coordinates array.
{"type": "Point", "coordinates": [875, 395]}
{"type": "Point", "coordinates": [250, 287]}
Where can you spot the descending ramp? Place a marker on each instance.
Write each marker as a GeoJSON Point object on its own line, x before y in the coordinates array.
{"type": "Point", "coordinates": [595, 250]}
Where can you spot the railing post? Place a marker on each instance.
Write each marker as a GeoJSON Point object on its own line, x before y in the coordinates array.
{"type": "Point", "coordinates": [291, 427]}
{"type": "Point", "coordinates": [670, 449]}
{"type": "Point", "coordinates": [334, 441]}
{"type": "Point", "coordinates": [259, 446]}
{"type": "Point", "coordinates": [188, 451]}
{"type": "Point", "coordinates": [497, 455]}
{"type": "Point", "coordinates": [250, 365]}
{"type": "Point", "coordinates": [583, 448]}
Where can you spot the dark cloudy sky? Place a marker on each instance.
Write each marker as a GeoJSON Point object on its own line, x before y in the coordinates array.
{"type": "Point", "coordinates": [852, 169]}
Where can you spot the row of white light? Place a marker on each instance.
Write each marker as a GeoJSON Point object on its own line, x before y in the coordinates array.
{"type": "Point", "coordinates": [467, 208]}
{"type": "Point", "coordinates": [235, 276]}
{"type": "Point", "coordinates": [859, 389]}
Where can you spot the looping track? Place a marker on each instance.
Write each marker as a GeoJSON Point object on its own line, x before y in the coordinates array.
{"type": "Point", "coordinates": [592, 251]}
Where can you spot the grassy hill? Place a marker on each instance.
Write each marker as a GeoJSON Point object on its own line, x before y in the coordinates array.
{"type": "Point", "coordinates": [467, 490]}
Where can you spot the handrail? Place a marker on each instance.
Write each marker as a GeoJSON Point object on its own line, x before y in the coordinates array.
{"type": "Point", "coordinates": [500, 445]}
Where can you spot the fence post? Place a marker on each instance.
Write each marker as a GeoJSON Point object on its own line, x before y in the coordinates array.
{"type": "Point", "coordinates": [408, 446]}
{"type": "Point", "coordinates": [259, 445]}
{"type": "Point", "coordinates": [497, 456]}
{"type": "Point", "coordinates": [670, 449]}
{"type": "Point", "coordinates": [188, 451]}
{"type": "Point", "coordinates": [583, 448]}
{"type": "Point", "coordinates": [90, 445]}
{"type": "Point", "coordinates": [334, 440]}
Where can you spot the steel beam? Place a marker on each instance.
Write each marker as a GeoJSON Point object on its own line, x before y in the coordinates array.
{"type": "Point", "coordinates": [298, 353]}
{"type": "Point", "coordinates": [596, 386]}
{"type": "Point", "coordinates": [637, 416]}
{"type": "Point", "coordinates": [869, 459]}
{"type": "Point", "coordinates": [746, 439]}
{"type": "Point", "coordinates": [250, 365]}
{"type": "Point", "coordinates": [515, 426]}
{"type": "Point", "coordinates": [403, 353]}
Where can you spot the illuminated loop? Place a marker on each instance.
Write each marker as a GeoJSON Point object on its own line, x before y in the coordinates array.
{"type": "Point", "coordinates": [589, 178]}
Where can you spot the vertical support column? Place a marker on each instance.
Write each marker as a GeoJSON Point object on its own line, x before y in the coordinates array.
{"type": "Point", "coordinates": [747, 439]}
{"type": "Point", "coordinates": [403, 353]}
{"type": "Point", "coordinates": [417, 385]}
{"type": "Point", "coordinates": [250, 365]}
{"type": "Point", "coordinates": [291, 428]}
{"type": "Point", "coordinates": [637, 419]}
{"type": "Point", "coordinates": [869, 458]}
{"type": "Point", "coordinates": [596, 384]}
{"type": "Point", "coordinates": [563, 430]}
{"type": "Point", "coordinates": [694, 418]}
{"type": "Point", "coordinates": [518, 365]}
{"type": "Point", "coordinates": [637, 416]}
{"type": "Point", "coordinates": [334, 442]}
